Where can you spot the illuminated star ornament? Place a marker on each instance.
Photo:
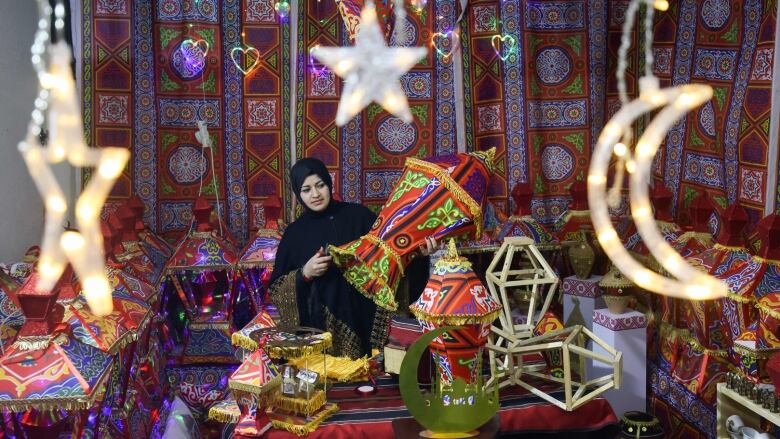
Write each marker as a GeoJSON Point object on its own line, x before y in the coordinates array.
{"type": "Point", "coordinates": [371, 70]}
{"type": "Point", "coordinates": [83, 248]}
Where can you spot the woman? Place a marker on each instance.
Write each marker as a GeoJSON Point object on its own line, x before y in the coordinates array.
{"type": "Point", "coordinates": [305, 285]}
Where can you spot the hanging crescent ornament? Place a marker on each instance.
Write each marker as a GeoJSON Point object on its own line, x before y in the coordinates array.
{"type": "Point", "coordinates": [238, 54]}
{"type": "Point", "coordinates": [503, 45]}
{"type": "Point", "coordinates": [673, 103]}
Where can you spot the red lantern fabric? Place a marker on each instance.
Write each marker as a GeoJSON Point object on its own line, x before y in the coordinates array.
{"type": "Point", "coordinates": [454, 296]}
{"type": "Point", "coordinates": [440, 197]}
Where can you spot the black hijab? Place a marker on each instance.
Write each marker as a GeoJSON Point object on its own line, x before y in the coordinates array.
{"type": "Point", "coordinates": [302, 169]}
{"type": "Point", "coordinates": [338, 224]}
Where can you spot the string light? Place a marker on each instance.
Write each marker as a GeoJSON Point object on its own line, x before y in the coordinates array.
{"type": "Point", "coordinates": [282, 9]}
{"type": "Point", "coordinates": [504, 46]}
{"type": "Point", "coordinates": [672, 103]}
{"type": "Point", "coordinates": [441, 41]}
{"type": "Point", "coordinates": [83, 249]}
{"type": "Point", "coordinates": [238, 54]}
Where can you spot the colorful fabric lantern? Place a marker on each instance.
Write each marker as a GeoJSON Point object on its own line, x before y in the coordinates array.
{"type": "Point", "coordinates": [699, 237]}
{"type": "Point", "coordinates": [575, 224]}
{"type": "Point", "coordinates": [258, 377]}
{"type": "Point", "coordinates": [243, 338]}
{"type": "Point", "coordinates": [46, 369]}
{"type": "Point", "coordinates": [200, 290]}
{"type": "Point", "coordinates": [11, 317]}
{"type": "Point", "coordinates": [136, 205]}
{"type": "Point", "coordinates": [350, 13]}
{"type": "Point", "coordinates": [440, 197]}
{"type": "Point", "coordinates": [455, 296]}
{"type": "Point", "coordinates": [522, 223]}
{"type": "Point", "coordinates": [257, 259]}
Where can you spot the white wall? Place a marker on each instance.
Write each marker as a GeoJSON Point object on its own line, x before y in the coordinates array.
{"type": "Point", "coordinates": [21, 210]}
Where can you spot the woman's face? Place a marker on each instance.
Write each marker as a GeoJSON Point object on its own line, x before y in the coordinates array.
{"type": "Point", "coordinates": [315, 193]}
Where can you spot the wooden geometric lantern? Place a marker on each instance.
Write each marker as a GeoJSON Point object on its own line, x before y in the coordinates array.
{"type": "Point", "coordinates": [530, 279]}
{"type": "Point", "coordinates": [518, 270]}
{"type": "Point", "coordinates": [571, 343]}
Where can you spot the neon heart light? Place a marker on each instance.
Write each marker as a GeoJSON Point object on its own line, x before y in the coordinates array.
{"type": "Point", "coordinates": [282, 8]}
{"type": "Point", "coordinates": [194, 52]}
{"type": "Point", "coordinates": [313, 62]}
{"type": "Point", "coordinates": [441, 40]}
{"type": "Point", "coordinates": [237, 55]}
{"type": "Point", "coordinates": [505, 44]}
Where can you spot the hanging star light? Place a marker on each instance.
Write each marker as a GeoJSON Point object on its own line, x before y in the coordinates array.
{"type": "Point", "coordinates": [83, 249]}
{"type": "Point", "coordinates": [371, 70]}
{"type": "Point", "coordinates": [672, 104]}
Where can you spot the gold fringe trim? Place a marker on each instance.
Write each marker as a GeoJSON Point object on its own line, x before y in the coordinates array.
{"type": "Point", "coordinates": [210, 325]}
{"type": "Point", "coordinates": [774, 262]}
{"type": "Point", "coordinates": [384, 292]}
{"type": "Point", "coordinates": [702, 237]}
{"type": "Point", "coordinates": [714, 352]}
{"type": "Point", "coordinates": [240, 340]}
{"type": "Point", "coordinates": [32, 343]}
{"type": "Point", "coordinates": [223, 416]}
{"type": "Point", "coordinates": [758, 354]}
{"type": "Point", "coordinates": [388, 250]}
{"type": "Point", "coordinates": [262, 390]}
{"type": "Point", "coordinates": [768, 310]}
{"type": "Point", "coordinates": [739, 298]}
{"type": "Point", "coordinates": [325, 341]}
{"type": "Point", "coordinates": [457, 320]}
{"type": "Point", "coordinates": [300, 405]}
{"type": "Point", "coordinates": [341, 369]}
{"type": "Point", "coordinates": [256, 264]}
{"type": "Point", "coordinates": [452, 186]}
{"type": "Point", "coordinates": [303, 430]}
{"type": "Point", "coordinates": [670, 331]}
{"type": "Point", "coordinates": [68, 403]}
{"type": "Point", "coordinates": [730, 248]}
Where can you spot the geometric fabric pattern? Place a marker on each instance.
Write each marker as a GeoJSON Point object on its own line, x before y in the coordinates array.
{"type": "Point", "coordinates": [534, 76]}
{"type": "Point", "coordinates": [721, 147]}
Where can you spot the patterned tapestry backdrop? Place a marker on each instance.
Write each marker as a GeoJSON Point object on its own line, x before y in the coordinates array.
{"type": "Point", "coordinates": [367, 154]}
{"type": "Point", "coordinates": [154, 68]}
{"type": "Point", "coordinates": [541, 102]}
{"type": "Point", "coordinates": [722, 147]}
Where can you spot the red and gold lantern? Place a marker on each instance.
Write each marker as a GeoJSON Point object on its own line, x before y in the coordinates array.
{"type": "Point", "coordinates": [454, 296]}
{"type": "Point", "coordinates": [440, 197]}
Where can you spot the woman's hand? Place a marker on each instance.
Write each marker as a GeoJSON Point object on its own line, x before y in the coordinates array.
{"type": "Point", "coordinates": [429, 247]}
{"type": "Point", "coordinates": [317, 265]}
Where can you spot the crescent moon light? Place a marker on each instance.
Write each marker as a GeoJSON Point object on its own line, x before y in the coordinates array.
{"type": "Point", "coordinates": [673, 103]}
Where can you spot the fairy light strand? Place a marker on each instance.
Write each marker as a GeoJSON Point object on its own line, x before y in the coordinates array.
{"type": "Point", "coordinates": [57, 95]}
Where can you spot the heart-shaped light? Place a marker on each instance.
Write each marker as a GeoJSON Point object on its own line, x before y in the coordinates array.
{"type": "Point", "coordinates": [445, 43]}
{"type": "Point", "coordinates": [503, 45]}
{"type": "Point", "coordinates": [194, 52]}
{"type": "Point", "coordinates": [282, 8]}
{"type": "Point", "coordinates": [237, 55]}
{"type": "Point", "coordinates": [318, 71]}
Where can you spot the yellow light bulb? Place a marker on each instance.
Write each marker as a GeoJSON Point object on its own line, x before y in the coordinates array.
{"type": "Point", "coordinates": [55, 203]}
{"type": "Point", "coordinates": [86, 211]}
{"type": "Point", "coordinates": [697, 291]}
{"type": "Point", "coordinates": [343, 67]}
{"type": "Point", "coordinates": [607, 236]}
{"type": "Point", "coordinates": [620, 149]}
{"type": "Point", "coordinates": [110, 168]}
{"type": "Point", "coordinates": [72, 241]}
{"type": "Point", "coordinates": [56, 153]}
{"type": "Point", "coordinates": [630, 166]}
{"type": "Point", "coordinates": [48, 269]}
{"type": "Point", "coordinates": [641, 212]}
{"type": "Point", "coordinates": [661, 5]}
{"type": "Point", "coordinates": [612, 129]}
{"type": "Point", "coordinates": [97, 291]}
{"type": "Point", "coordinates": [597, 179]}
{"type": "Point", "coordinates": [642, 277]}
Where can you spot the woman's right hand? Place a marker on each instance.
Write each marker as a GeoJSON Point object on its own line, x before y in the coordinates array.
{"type": "Point", "coordinates": [317, 265]}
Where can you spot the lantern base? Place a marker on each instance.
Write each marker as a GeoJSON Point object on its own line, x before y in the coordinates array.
{"type": "Point", "coordinates": [439, 435]}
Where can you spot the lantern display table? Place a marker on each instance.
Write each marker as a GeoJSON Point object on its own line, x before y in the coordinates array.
{"type": "Point", "coordinates": [626, 333]}
{"type": "Point", "coordinates": [521, 415]}
{"type": "Point", "coordinates": [408, 428]}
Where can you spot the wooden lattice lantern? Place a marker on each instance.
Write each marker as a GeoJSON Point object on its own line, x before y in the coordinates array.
{"type": "Point", "coordinates": [519, 269]}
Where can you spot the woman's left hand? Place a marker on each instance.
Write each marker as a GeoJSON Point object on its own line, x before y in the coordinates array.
{"type": "Point", "coordinates": [429, 247]}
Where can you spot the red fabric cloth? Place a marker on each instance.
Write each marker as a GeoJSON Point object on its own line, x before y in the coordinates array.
{"type": "Point", "coordinates": [520, 412]}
